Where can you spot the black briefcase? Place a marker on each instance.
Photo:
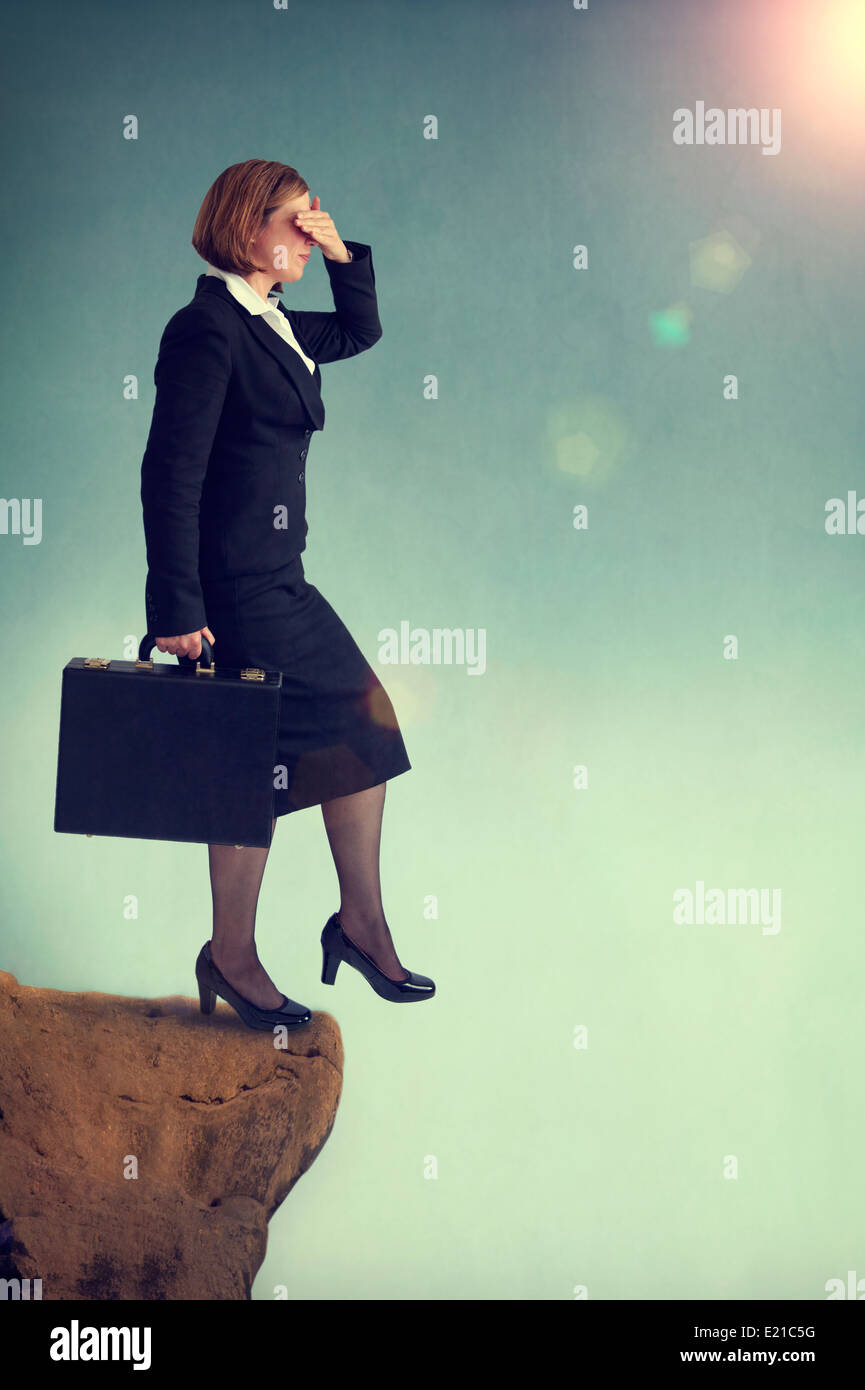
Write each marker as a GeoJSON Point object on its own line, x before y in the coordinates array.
{"type": "Point", "coordinates": [152, 751]}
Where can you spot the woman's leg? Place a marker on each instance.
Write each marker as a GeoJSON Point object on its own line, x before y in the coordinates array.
{"type": "Point", "coordinates": [235, 880]}
{"type": "Point", "coordinates": [353, 825]}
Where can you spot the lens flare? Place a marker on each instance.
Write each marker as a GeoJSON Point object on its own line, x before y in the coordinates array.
{"type": "Point", "coordinates": [807, 58]}
{"type": "Point", "coordinates": [842, 41]}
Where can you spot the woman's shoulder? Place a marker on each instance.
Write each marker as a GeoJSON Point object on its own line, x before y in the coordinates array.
{"type": "Point", "coordinates": [205, 314]}
{"type": "Point", "coordinates": [197, 343]}
{"type": "Point", "coordinates": [204, 308]}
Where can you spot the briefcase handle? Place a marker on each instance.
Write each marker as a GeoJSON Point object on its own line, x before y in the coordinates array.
{"type": "Point", "coordinates": [204, 662]}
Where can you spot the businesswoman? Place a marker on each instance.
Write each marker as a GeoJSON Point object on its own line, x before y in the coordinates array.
{"type": "Point", "coordinates": [224, 502]}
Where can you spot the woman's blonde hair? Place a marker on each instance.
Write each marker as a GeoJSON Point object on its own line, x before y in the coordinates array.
{"type": "Point", "coordinates": [237, 205]}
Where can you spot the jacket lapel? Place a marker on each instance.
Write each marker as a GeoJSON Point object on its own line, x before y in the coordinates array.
{"type": "Point", "coordinates": [306, 384]}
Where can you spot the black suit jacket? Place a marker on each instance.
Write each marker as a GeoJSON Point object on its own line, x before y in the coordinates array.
{"type": "Point", "coordinates": [223, 486]}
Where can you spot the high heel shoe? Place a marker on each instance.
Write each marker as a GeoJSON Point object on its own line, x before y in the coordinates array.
{"type": "Point", "coordinates": [212, 982]}
{"type": "Point", "coordinates": [336, 948]}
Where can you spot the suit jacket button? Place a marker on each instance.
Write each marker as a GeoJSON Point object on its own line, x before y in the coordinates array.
{"type": "Point", "coordinates": [300, 477]}
{"type": "Point", "coordinates": [303, 453]}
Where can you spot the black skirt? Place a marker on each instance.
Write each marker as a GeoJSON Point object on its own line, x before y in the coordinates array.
{"type": "Point", "coordinates": [338, 733]}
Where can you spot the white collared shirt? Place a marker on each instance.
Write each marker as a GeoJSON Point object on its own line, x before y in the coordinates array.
{"type": "Point", "coordinates": [246, 295]}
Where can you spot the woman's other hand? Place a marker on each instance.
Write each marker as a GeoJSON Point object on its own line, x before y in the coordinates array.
{"type": "Point", "coordinates": [187, 645]}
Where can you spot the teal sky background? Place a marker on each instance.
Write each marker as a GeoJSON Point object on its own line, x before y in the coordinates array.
{"type": "Point", "coordinates": [558, 1167]}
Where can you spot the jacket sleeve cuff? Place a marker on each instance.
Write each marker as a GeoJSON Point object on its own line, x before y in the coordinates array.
{"type": "Point", "coordinates": [359, 254]}
{"type": "Point", "coordinates": [173, 608]}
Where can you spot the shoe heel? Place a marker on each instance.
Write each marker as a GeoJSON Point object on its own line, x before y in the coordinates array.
{"type": "Point", "coordinates": [330, 966]}
{"type": "Point", "coordinates": [207, 997]}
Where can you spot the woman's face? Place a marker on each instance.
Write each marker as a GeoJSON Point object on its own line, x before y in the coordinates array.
{"type": "Point", "coordinates": [281, 247]}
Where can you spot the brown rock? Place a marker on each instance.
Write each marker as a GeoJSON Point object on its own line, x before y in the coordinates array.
{"type": "Point", "coordinates": [219, 1122]}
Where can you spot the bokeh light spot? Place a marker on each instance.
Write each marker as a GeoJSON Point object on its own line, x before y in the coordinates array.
{"type": "Point", "coordinates": [671, 327]}
{"type": "Point", "coordinates": [588, 436]}
{"type": "Point", "coordinates": [718, 262]}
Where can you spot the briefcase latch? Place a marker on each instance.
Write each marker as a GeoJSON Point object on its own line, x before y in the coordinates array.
{"type": "Point", "coordinates": [251, 673]}
{"type": "Point", "coordinates": [99, 663]}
